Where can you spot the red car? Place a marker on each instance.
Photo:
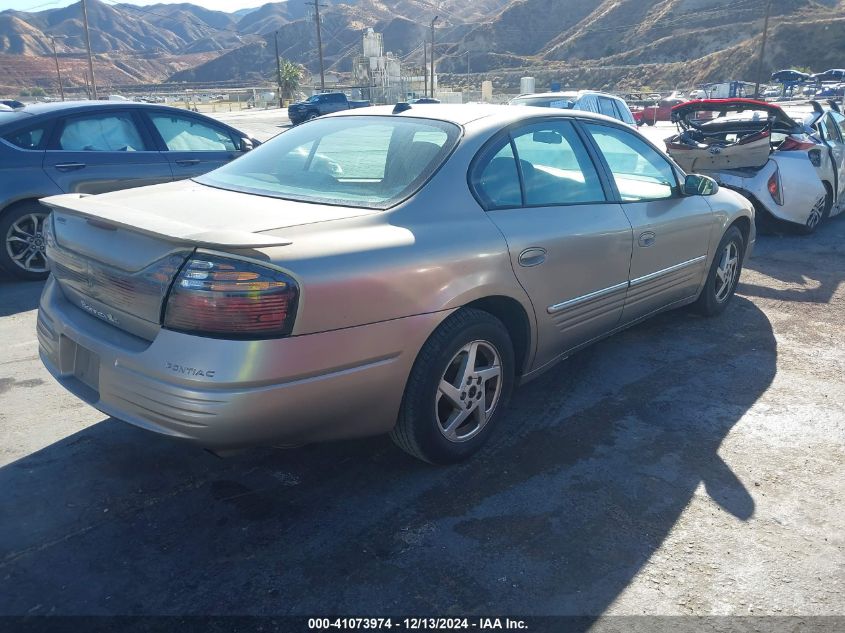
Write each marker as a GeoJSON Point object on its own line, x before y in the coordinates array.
{"type": "Point", "coordinates": [660, 111]}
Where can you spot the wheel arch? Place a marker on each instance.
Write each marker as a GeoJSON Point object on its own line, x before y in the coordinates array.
{"type": "Point", "coordinates": [515, 319]}
{"type": "Point", "coordinates": [743, 223]}
{"type": "Point", "coordinates": [11, 206]}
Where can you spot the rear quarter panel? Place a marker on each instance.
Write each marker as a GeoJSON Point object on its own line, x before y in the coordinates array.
{"type": "Point", "coordinates": [22, 176]}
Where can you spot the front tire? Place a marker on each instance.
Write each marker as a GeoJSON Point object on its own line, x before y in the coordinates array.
{"type": "Point", "coordinates": [460, 383]}
{"type": "Point", "coordinates": [22, 241]}
{"type": "Point", "coordinates": [723, 275]}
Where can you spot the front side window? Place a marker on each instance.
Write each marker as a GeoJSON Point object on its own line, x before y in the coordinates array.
{"type": "Point", "coordinates": [186, 134]}
{"type": "Point", "coordinates": [556, 168]}
{"type": "Point", "coordinates": [639, 171]}
{"type": "Point", "coordinates": [362, 161]}
{"type": "Point", "coordinates": [840, 121]}
{"type": "Point", "coordinates": [101, 133]}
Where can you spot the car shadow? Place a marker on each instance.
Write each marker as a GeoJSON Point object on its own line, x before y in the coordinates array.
{"type": "Point", "coordinates": [803, 268]}
{"type": "Point", "coordinates": [18, 296]}
{"type": "Point", "coordinates": [592, 466]}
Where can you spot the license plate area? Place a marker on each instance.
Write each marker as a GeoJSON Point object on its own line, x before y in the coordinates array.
{"type": "Point", "coordinates": [81, 362]}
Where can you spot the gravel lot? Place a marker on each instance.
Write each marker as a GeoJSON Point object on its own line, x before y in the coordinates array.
{"type": "Point", "coordinates": [686, 466]}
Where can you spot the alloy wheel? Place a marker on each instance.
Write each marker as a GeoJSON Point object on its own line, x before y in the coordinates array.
{"type": "Point", "coordinates": [816, 214]}
{"type": "Point", "coordinates": [25, 243]}
{"type": "Point", "coordinates": [726, 271]}
{"type": "Point", "coordinates": [468, 391]}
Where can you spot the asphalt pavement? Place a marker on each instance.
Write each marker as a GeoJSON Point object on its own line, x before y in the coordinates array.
{"type": "Point", "coordinates": [687, 466]}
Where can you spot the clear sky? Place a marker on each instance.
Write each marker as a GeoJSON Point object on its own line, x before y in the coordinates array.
{"type": "Point", "coordinates": [218, 5]}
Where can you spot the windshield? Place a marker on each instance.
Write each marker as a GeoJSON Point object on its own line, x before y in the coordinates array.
{"type": "Point", "coordinates": [545, 102]}
{"type": "Point", "coordinates": [362, 161]}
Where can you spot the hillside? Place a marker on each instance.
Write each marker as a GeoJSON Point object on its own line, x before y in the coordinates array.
{"type": "Point", "coordinates": [600, 43]}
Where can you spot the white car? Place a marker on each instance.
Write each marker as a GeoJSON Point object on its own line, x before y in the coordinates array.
{"type": "Point", "coordinates": [787, 169]}
{"type": "Point", "coordinates": [585, 100]}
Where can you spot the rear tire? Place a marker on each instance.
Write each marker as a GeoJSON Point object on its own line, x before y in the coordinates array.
{"type": "Point", "coordinates": [22, 241]}
{"type": "Point", "coordinates": [458, 387]}
{"type": "Point", "coordinates": [723, 275]}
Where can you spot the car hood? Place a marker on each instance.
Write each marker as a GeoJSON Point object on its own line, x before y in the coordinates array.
{"type": "Point", "coordinates": [683, 113]}
{"type": "Point", "coordinates": [189, 212]}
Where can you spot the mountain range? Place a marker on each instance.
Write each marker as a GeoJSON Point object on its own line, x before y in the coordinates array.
{"type": "Point", "coordinates": [601, 43]}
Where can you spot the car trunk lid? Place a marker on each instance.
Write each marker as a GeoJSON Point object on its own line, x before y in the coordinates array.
{"type": "Point", "coordinates": [116, 255]}
{"type": "Point", "coordinates": [702, 112]}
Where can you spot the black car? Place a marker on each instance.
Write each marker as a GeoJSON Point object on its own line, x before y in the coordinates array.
{"type": "Point", "coordinates": [94, 147]}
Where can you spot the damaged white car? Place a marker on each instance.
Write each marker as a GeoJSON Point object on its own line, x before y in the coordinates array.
{"type": "Point", "coordinates": [786, 168]}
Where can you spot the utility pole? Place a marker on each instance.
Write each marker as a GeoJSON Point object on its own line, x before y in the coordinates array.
{"type": "Point", "coordinates": [467, 70]}
{"type": "Point", "coordinates": [762, 50]}
{"type": "Point", "coordinates": [316, 5]}
{"type": "Point", "coordinates": [278, 67]}
{"type": "Point", "coordinates": [88, 44]}
{"type": "Point", "coordinates": [58, 72]}
{"type": "Point", "coordinates": [432, 55]}
{"type": "Point", "coordinates": [425, 68]}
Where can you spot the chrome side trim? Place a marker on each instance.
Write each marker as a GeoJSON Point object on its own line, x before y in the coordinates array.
{"type": "Point", "coordinates": [666, 271]}
{"type": "Point", "coordinates": [588, 297]}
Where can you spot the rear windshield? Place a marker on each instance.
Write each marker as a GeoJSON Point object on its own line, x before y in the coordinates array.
{"type": "Point", "coordinates": [362, 161]}
{"type": "Point", "coordinates": [545, 102]}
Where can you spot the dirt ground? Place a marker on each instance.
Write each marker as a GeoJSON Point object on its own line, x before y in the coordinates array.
{"type": "Point", "coordinates": [687, 466]}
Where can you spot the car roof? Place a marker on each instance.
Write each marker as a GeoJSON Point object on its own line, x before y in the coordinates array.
{"type": "Point", "coordinates": [463, 114]}
{"type": "Point", "coordinates": [567, 94]}
{"type": "Point", "coordinates": [58, 106]}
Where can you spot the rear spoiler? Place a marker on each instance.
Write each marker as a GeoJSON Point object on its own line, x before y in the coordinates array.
{"type": "Point", "coordinates": [106, 215]}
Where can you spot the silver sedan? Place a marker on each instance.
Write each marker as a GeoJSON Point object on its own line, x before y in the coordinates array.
{"type": "Point", "coordinates": [390, 270]}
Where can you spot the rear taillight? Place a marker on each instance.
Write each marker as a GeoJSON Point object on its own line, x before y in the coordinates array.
{"type": "Point", "coordinates": [793, 144]}
{"type": "Point", "coordinates": [774, 187]}
{"type": "Point", "coordinates": [231, 298]}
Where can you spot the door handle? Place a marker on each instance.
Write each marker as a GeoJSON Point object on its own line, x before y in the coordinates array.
{"type": "Point", "coordinates": [648, 238]}
{"type": "Point", "coordinates": [69, 166]}
{"type": "Point", "coordinates": [188, 161]}
{"type": "Point", "coordinates": [533, 256]}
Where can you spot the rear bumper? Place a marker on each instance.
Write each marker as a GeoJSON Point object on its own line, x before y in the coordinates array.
{"type": "Point", "coordinates": [800, 184]}
{"type": "Point", "coordinates": [229, 394]}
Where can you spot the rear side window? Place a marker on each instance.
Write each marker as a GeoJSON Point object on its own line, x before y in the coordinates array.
{"type": "Point", "coordinates": [639, 171]}
{"type": "Point", "coordinates": [496, 181]}
{"type": "Point", "coordinates": [30, 138]}
{"type": "Point", "coordinates": [101, 133]}
{"type": "Point", "coordinates": [624, 112]}
{"type": "Point", "coordinates": [186, 134]}
{"type": "Point", "coordinates": [556, 168]}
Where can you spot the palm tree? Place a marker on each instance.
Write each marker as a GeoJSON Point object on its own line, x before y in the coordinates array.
{"type": "Point", "coordinates": [290, 75]}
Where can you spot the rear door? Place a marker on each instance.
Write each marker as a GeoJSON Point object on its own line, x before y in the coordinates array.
{"type": "Point", "coordinates": [671, 231]}
{"type": "Point", "coordinates": [569, 246]}
{"type": "Point", "coordinates": [102, 151]}
{"type": "Point", "coordinates": [192, 145]}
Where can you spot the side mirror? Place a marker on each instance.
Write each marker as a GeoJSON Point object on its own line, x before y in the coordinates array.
{"type": "Point", "coordinates": [246, 144]}
{"type": "Point", "coordinates": [698, 185]}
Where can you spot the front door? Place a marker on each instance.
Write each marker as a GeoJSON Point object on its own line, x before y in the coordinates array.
{"type": "Point", "coordinates": [103, 151]}
{"type": "Point", "coordinates": [570, 248]}
{"type": "Point", "coordinates": [832, 129]}
{"type": "Point", "coordinates": [670, 230]}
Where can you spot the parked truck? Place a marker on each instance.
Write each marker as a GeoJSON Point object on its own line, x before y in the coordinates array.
{"type": "Point", "coordinates": [320, 104]}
